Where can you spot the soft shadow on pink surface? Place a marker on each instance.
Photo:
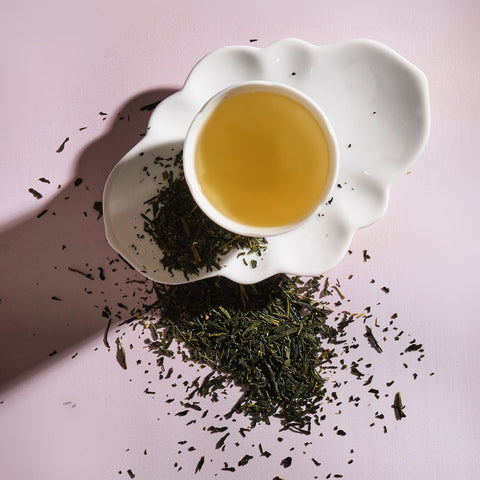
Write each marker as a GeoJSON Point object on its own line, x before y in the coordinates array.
{"type": "Point", "coordinates": [48, 306]}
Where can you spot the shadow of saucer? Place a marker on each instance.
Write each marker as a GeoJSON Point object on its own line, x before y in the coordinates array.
{"type": "Point", "coordinates": [61, 282]}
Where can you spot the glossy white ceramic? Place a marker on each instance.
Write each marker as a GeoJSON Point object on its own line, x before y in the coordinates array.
{"type": "Point", "coordinates": [377, 103]}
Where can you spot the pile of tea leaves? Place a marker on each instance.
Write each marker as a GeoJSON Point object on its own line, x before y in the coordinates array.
{"type": "Point", "coordinates": [287, 344]}
{"type": "Point", "coordinates": [271, 339]}
{"type": "Point", "coordinates": [189, 240]}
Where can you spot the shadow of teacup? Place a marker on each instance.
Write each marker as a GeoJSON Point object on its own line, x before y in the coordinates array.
{"type": "Point", "coordinates": [60, 279]}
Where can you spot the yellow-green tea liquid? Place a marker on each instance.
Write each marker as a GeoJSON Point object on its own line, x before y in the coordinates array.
{"type": "Point", "coordinates": [262, 159]}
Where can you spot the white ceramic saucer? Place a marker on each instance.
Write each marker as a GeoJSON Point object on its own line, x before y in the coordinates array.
{"type": "Point", "coordinates": [377, 103]}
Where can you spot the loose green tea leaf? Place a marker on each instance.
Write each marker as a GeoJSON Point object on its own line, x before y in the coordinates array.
{"type": "Point", "coordinates": [62, 146]}
{"type": "Point", "coordinates": [200, 464]}
{"type": "Point", "coordinates": [221, 441]}
{"type": "Point", "coordinates": [121, 357]}
{"type": "Point", "coordinates": [192, 406]}
{"type": "Point", "coordinates": [368, 381]}
{"type": "Point", "coordinates": [98, 207]}
{"type": "Point", "coordinates": [213, 429]}
{"type": "Point", "coordinates": [244, 460]}
{"type": "Point", "coordinates": [372, 340]}
{"type": "Point", "coordinates": [102, 273]}
{"type": "Point", "coordinates": [286, 462]}
{"type": "Point", "coordinates": [263, 453]}
{"type": "Point", "coordinates": [36, 194]}
{"type": "Point", "coordinates": [75, 270]}
{"type": "Point", "coordinates": [150, 106]}
{"type": "Point", "coordinates": [105, 335]}
{"type": "Point", "coordinates": [413, 347]}
{"type": "Point", "coordinates": [398, 407]}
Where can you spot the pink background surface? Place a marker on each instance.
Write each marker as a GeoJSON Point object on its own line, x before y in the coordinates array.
{"type": "Point", "coordinates": [62, 64]}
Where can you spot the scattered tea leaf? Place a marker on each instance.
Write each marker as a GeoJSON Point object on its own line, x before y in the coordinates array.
{"type": "Point", "coordinates": [36, 194]}
{"type": "Point", "coordinates": [105, 335]}
{"type": "Point", "coordinates": [76, 270]}
{"type": "Point", "coordinates": [413, 347]}
{"type": "Point", "coordinates": [200, 464]}
{"type": "Point", "coordinates": [121, 356]}
{"type": "Point", "coordinates": [98, 207]}
{"type": "Point", "coordinates": [398, 407]}
{"type": "Point", "coordinates": [245, 459]}
{"type": "Point", "coordinates": [62, 146]}
{"type": "Point", "coordinates": [150, 106]}
{"type": "Point", "coordinates": [263, 453]}
{"type": "Point", "coordinates": [221, 442]}
{"type": "Point", "coordinates": [372, 340]}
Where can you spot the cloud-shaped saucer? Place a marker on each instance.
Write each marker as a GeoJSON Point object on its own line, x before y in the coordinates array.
{"type": "Point", "coordinates": [377, 103]}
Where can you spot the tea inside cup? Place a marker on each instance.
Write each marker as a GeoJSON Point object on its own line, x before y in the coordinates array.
{"type": "Point", "coordinates": [260, 158]}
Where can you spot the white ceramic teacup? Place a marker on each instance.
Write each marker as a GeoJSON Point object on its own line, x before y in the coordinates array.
{"type": "Point", "coordinates": [190, 148]}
